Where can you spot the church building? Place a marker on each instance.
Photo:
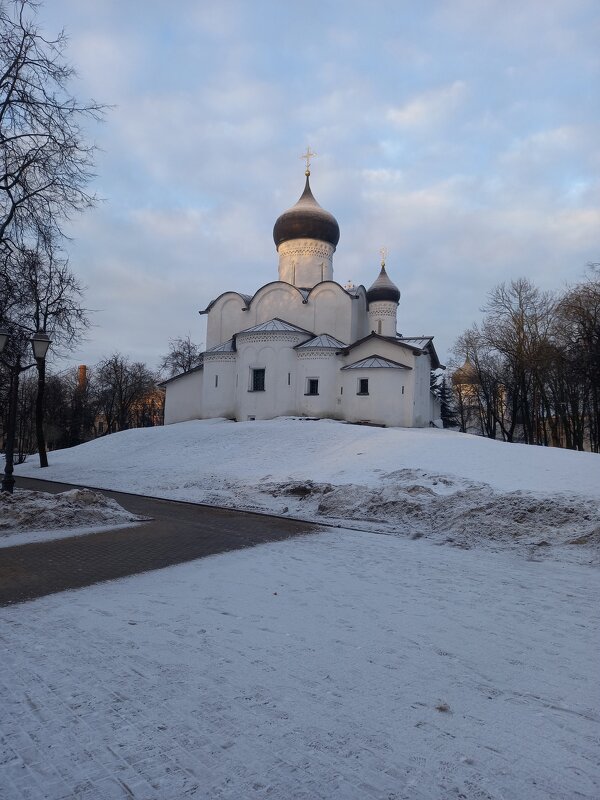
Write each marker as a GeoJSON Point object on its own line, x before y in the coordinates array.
{"type": "Point", "coordinates": [304, 345]}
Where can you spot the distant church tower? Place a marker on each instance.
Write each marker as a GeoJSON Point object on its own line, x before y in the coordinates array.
{"type": "Point", "coordinates": [306, 237]}
{"type": "Point", "coordinates": [383, 298]}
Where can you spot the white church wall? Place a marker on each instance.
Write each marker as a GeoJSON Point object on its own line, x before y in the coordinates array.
{"type": "Point", "coordinates": [328, 309]}
{"type": "Point", "coordinates": [385, 403]}
{"type": "Point", "coordinates": [183, 398]}
{"type": "Point", "coordinates": [321, 365]}
{"type": "Point", "coordinates": [331, 310]}
{"type": "Point", "coordinates": [277, 357]}
{"type": "Point", "coordinates": [218, 390]}
{"type": "Point", "coordinates": [383, 348]}
{"type": "Point", "coordinates": [424, 409]}
{"type": "Point", "coordinates": [278, 300]}
{"type": "Point", "coordinates": [225, 318]}
{"type": "Point", "coordinates": [359, 325]}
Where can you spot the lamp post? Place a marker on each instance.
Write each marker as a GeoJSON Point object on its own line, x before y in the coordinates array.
{"type": "Point", "coordinates": [40, 343]}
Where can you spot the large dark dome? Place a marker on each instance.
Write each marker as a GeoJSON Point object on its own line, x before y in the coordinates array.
{"type": "Point", "coordinates": [306, 220]}
{"type": "Point", "coordinates": [383, 289]}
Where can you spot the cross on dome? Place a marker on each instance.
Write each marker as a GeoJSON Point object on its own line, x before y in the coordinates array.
{"type": "Point", "coordinates": [383, 252]}
{"type": "Point", "coordinates": [307, 157]}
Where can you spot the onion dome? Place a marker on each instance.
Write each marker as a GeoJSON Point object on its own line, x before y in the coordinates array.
{"type": "Point", "coordinates": [383, 288]}
{"type": "Point", "coordinates": [306, 220]}
{"type": "Point", "coordinates": [465, 375]}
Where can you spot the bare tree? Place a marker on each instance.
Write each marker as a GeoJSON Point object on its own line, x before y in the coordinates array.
{"type": "Point", "coordinates": [45, 161]}
{"type": "Point", "coordinates": [534, 366]}
{"type": "Point", "coordinates": [183, 356]}
{"type": "Point", "coordinates": [121, 387]}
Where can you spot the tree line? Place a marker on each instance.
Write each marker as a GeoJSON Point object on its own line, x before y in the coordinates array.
{"type": "Point", "coordinates": [530, 370]}
{"type": "Point", "coordinates": [82, 403]}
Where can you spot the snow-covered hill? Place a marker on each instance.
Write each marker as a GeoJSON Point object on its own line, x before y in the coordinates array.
{"type": "Point", "coordinates": [456, 487]}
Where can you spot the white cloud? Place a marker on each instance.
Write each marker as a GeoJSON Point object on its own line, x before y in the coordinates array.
{"type": "Point", "coordinates": [430, 107]}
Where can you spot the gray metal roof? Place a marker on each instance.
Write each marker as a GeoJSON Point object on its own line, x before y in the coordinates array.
{"type": "Point", "coordinates": [323, 341]}
{"type": "Point", "coordinates": [224, 347]}
{"type": "Point", "coordinates": [274, 325]}
{"type": "Point", "coordinates": [376, 362]}
{"type": "Point", "coordinates": [418, 341]}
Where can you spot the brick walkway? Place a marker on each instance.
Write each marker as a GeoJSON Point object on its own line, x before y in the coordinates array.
{"type": "Point", "coordinates": [178, 532]}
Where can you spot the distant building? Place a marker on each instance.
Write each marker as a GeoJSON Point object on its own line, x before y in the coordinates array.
{"type": "Point", "coordinates": [305, 345]}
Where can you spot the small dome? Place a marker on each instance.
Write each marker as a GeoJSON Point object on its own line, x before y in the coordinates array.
{"type": "Point", "coordinates": [383, 289]}
{"type": "Point", "coordinates": [306, 220]}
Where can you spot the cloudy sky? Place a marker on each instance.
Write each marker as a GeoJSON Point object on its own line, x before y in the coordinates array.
{"type": "Point", "coordinates": [463, 135]}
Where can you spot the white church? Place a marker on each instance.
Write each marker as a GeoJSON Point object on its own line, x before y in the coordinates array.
{"type": "Point", "coordinates": [304, 345]}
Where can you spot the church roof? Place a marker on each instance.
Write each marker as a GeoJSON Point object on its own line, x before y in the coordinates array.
{"type": "Point", "coordinates": [199, 368]}
{"type": "Point", "coordinates": [274, 325]}
{"type": "Point", "coordinates": [424, 343]}
{"type": "Point", "coordinates": [306, 220]}
{"type": "Point", "coordinates": [223, 347]}
{"type": "Point", "coordinates": [323, 341]}
{"type": "Point", "coordinates": [391, 339]}
{"type": "Point", "coordinates": [417, 341]}
{"type": "Point", "coordinates": [376, 362]}
{"type": "Point", "coordinates": [383, 288]}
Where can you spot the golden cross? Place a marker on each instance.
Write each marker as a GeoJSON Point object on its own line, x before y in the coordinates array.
{"type": "Point", "coordinates": [383, 253]}
{"type": "Point", "coordinates": [307, 157]}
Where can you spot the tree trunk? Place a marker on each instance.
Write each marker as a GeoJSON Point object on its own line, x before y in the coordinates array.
{"type": "Point", "coordinates": [8, 481]}
{"type": "Point", "coordinates": [39, 412]}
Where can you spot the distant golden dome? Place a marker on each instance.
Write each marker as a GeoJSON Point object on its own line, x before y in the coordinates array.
{"type": "Point", "coordinates": [465, 375]}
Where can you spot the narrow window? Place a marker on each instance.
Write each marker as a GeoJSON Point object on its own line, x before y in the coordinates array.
{"type": "Point", "coordinates": [403, 390]}
{"type": "Point", "coordinates": [378, 326]}
{"type": "Point", "coordinates": [258, 380]}
{"type": "Point", "coordinates": [216, 381]}
{"type": "Point", "coordinates": [363, 386]}
{"type": "Point", "coordinates": [312, 386]}
{"type": "Point", "coordinates": [289, 378]}
{"type": "Point", "coordinates": [341, 390]}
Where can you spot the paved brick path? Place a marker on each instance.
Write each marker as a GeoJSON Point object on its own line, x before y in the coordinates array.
{"type": "Point", "coordinates": [178, 532]}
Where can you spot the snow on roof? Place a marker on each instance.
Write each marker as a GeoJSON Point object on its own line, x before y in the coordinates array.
{"type": "Point", "coordinates": [418, 341]}
{"type": "Point", "coordinates": [273, 325]}
{"type": "Point", "coordinates": [223, 347]}
{"type": "Point", "coordinates": [323, 341]}
{"type": "Point", "coordinates": [376, 362]}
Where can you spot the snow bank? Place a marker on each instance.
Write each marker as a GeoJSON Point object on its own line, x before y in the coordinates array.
{"type": "Point", "coordinates": [456, 487]}
{"type": "Point", "coordinates": [27, 516]}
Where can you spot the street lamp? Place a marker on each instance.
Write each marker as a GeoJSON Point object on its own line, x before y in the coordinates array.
{"type": "Point", "coordinates": [40, 342]}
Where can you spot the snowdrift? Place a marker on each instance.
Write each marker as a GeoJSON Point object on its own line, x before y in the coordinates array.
{"type": "Point", "coordinates": [458, 488]}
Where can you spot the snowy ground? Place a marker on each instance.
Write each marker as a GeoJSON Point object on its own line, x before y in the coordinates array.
{"type": "Point", "coordinates": [464, 490]}
{"type": "Point", "coordinates": [27, 516]}
{"type": "Point", "coordinates": [340, 665]}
